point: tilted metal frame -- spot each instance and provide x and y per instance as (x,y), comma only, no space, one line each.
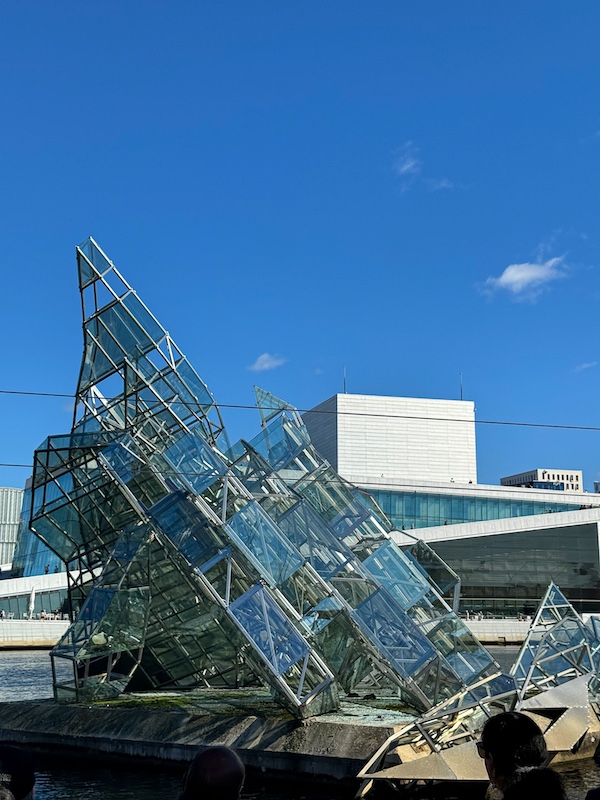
(200,565)
(558,646)
(559,702)
(137,395)
(333,564)
(113,463)
(105,653)
(158,391)
(318,605)
(359,523)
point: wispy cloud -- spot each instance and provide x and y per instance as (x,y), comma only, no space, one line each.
(526,281)
(407,161)
(408,166)
(267,361)
(586,365)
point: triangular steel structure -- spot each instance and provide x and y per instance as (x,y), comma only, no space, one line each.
(269,405)
(558,647)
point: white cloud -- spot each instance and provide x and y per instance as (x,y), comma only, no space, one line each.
(407,162)
(267,361)
(527,280)
(587,365)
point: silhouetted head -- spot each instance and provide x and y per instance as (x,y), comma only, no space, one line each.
(216,772)
(542,783)
(511,743)
(16,771)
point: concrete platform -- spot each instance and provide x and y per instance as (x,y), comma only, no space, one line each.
(29,634)
(172,729)
(499,631)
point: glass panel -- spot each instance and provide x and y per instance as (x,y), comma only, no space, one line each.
(188,531)
(194,463)
(398,638)
(280,443)
(94,255)
(271,633)
(257,534)
(315,540)
(139,311)
(399,577)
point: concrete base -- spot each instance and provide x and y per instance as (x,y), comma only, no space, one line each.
(331,746)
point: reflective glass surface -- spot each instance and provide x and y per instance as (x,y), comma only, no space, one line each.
(32,556)
(508,573)
(426,509)
(267,627)
(205,566)
(264,541)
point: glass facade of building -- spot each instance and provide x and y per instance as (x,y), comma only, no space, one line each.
(507,574)
(52,602)
(428,509)
(32,556)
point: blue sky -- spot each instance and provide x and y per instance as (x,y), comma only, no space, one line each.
(409,189)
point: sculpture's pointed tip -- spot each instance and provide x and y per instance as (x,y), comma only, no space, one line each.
(92,262)
(269,405)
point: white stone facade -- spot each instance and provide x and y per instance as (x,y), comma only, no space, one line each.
(396,439)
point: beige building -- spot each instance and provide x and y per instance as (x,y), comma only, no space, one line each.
(567,480)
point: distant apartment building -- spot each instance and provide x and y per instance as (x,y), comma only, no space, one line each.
(11,501)
(566,480)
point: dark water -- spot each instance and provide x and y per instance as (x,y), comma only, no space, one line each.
(96,782)
(28,675)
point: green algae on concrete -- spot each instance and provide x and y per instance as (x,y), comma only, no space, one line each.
(173,728)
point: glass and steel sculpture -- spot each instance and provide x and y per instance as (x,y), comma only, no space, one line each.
(559,646)
(194,564)
(402,590)
(554,680)
(163,544)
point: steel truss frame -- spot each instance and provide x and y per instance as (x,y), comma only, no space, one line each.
(205,565)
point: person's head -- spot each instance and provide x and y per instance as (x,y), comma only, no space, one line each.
(216,772)
(511,742)
(16,772)
(536,783)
